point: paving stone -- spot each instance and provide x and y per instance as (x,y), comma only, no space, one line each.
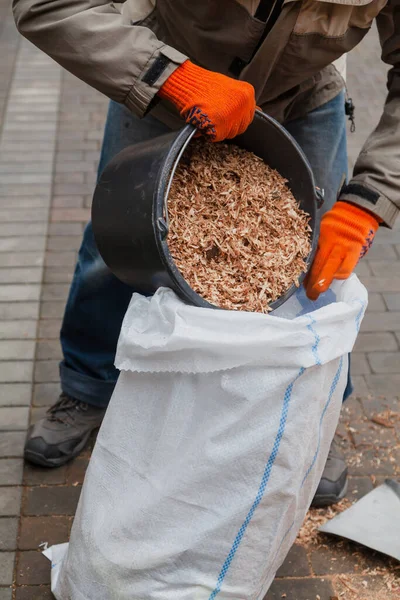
(12,444)
(22,230)
(58,275)
(381,252)
(61,500)
(382,385)
(295,564)
(13,244)
(381,321)
(5,593)
(10,501)
(384,362)
(19,292)
(21,275)
(49,329)
(358,487)
(71,214)
(38,530)
(14,418)
(77,470)
(6,567)
(64,243)
(17,349)
(21,259)
(10,472)
(371,342)
(37,413)
(52,310)
(18,310)
(15,394)
(38,592)
(14,330)
(61,229)
(55,291)
(16,371)
(46,394)
(374,406)
(368,433)
(359,364)
(327,560)
(300,589)
(392,301)
(389,268)
(61,259)
(33,568)
(47,371)
(48,349)
(360,386)
(382,284)
(376,303)
(68,202)
(8,534)
(367,461)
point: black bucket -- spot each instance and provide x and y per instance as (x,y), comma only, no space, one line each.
(129,211)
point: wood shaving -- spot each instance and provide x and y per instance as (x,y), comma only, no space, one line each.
(236,233)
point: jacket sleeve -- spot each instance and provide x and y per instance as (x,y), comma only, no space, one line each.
(97,42)
(375,185)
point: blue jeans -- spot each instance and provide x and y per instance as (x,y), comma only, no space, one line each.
(94,313)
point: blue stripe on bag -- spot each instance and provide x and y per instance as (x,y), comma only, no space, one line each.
(314,349)
(335,381)
(261,489)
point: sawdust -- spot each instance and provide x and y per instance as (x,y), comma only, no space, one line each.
(236,233)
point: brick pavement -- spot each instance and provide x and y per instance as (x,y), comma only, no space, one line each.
(51,128)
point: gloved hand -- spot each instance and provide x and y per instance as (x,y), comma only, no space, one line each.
(220,107)
(347,233)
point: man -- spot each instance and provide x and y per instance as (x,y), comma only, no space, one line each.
(209,62)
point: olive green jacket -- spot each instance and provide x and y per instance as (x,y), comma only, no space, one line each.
(127,51)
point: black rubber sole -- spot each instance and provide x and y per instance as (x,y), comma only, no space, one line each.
(41,460)
(329,499)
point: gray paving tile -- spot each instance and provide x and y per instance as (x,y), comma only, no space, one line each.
(376,303)
(46,394)
(16,371)
(15,394)
(22,231)
(8,533)
(376,341)
(18,310)
(12,444)
(21,275)
(5,593)
(46,371)
(14,418)
(385,362)
(392,301)
(387,321)
(6,567)
(49,329)
(359,364)
(21,259)
(11,471)
(10,501)
(15,244)
(17,349)
(14,330)
(48,349)
(382,385)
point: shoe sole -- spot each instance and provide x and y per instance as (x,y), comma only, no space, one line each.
(42,461)
(328,500)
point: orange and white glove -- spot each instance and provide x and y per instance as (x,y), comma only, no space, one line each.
(219,106)
(347,233)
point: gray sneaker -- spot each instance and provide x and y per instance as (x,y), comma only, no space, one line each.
(62,433)
(333,484)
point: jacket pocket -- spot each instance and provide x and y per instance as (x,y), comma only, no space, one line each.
(334,20)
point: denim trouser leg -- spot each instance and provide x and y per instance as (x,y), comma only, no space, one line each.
(94,313)
(322,136)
